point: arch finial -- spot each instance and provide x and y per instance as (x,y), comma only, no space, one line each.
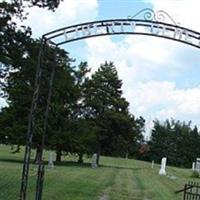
(158,16)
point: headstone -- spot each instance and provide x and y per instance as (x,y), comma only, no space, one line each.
(198,165)
(94,160)
(50,164)
(163,165)
(193,166)
(126,155)
(152,164)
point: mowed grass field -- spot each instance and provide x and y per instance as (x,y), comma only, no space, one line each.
(115,179)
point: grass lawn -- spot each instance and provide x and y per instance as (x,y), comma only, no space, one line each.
(116,179)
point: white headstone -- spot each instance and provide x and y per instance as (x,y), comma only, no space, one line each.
(193,166)
(197,167)
(94,160)
(163,165)
(152,164)
(50,164)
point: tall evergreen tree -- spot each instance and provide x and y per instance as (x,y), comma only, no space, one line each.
(104,104)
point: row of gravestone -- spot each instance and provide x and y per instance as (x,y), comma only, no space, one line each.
(162,171)
(95,165)
(195,166)
(52,159)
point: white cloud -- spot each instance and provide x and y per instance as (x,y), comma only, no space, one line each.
(42,20)
(183,11)
(138,60)
(138,56)
(165,100)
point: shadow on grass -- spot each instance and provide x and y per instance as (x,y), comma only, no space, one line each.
(73,164)
(11,160)
(63,163)
(124,167)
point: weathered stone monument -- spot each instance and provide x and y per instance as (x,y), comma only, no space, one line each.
(94,161)
(198,165)
(152,164)
(51,159)
(193,166)
(163,166)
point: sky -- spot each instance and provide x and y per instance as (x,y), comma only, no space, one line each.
(160,77)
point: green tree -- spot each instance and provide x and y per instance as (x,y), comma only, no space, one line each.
(104,104)
(14,59)
(66,111)
(18,57)
(176,140)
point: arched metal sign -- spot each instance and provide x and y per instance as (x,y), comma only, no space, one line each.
(157,24)
(154,24)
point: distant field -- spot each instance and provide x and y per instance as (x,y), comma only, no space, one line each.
(116,179)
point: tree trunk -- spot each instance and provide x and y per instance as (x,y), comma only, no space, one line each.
(98,155)
(80,158)
(37,156)
(58,155)
(17,150)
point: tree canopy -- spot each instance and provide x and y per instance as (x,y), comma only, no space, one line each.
(176,140)
(104,104)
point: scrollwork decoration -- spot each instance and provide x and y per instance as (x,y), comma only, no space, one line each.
(151,15)
(148,14)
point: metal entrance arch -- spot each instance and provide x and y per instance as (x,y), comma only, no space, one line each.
(157,24)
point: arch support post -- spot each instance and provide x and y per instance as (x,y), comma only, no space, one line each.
(31,120)
(41,166)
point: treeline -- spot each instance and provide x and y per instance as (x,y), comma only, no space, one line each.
(87,113)
(176,140)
